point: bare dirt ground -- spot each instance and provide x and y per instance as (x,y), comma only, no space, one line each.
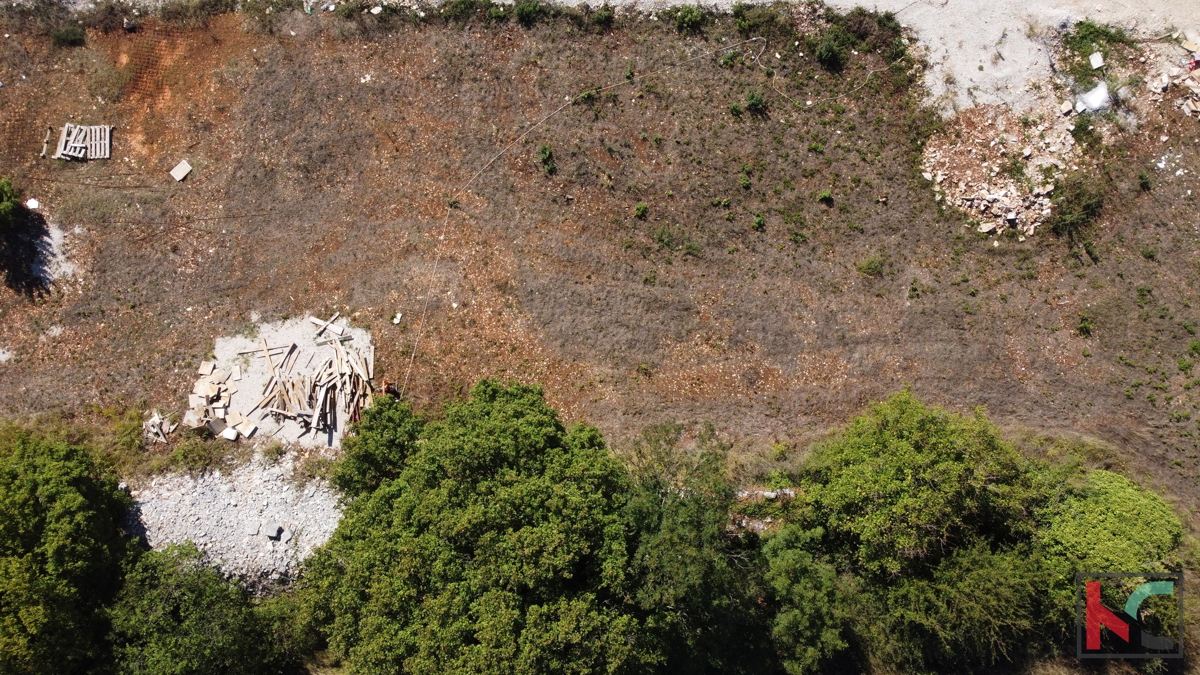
(774,314)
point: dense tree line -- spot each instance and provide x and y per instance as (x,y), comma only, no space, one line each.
(497,539)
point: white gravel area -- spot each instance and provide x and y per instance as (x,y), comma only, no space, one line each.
(228,516)
(1002,36)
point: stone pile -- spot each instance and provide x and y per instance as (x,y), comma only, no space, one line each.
(253,523)
(997,168)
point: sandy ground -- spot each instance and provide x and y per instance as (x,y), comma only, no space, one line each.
(1002,36)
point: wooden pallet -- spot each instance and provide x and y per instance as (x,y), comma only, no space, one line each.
(84,142)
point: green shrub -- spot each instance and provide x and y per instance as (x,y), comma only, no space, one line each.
(546,159)
(1110,524)
(1085,326)
(763,21)
(60,554)
(376,446)
(69,36)
(1077,202)
(903,479)
(529,12)
(871,267)
(1144,181)
(198,455)
(196,13)
(756,103)
(825,197)
(759,223)
(834,47)
(813,606)
(691,19)
(640,211)
(177,615)
(735,109)
(604,18)
(10,205)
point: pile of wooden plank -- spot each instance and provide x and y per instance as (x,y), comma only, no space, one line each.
(158,426)
(84,142)
(322,398)
(208,404)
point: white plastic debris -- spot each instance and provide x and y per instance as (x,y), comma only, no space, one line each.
(1096,99)
(181,170)
(32,204)
(376,9)
(1097,60)
(396,319)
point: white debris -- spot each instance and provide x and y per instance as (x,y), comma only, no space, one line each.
(1097,60)
(1096,99)
(377,10)
(32,204)
(181,170)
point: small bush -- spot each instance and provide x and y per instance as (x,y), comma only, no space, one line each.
(69,36)
(1150,253)
(604,17)
(546,159)
(1077,202)
(834,47)
(1144,181)
(531,12)
(10,205)
(825,197)
(1085,326)
(691,19)
(756,103)
(640,211)
(759,223)
(195,13)
(872,267)
(199,455)
(735,109)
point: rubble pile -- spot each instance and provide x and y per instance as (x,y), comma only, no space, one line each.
(995,168)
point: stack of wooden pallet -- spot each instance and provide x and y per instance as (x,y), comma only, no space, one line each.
(322,398)
(83,142)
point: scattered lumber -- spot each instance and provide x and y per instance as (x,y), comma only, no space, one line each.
(326,392)
(158,426)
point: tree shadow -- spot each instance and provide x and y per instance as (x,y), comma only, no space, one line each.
(25,254)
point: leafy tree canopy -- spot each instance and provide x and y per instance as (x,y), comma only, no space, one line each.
(176,615)
(498,547)
(60,553)
(904,485)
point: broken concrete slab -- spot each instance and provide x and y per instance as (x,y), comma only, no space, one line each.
(1095,99)
(272,529)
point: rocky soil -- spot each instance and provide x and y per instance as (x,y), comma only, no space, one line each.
(253,523)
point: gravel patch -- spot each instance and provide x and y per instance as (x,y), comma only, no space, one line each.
(252,522)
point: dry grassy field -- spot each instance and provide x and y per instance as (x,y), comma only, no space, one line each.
(700,243)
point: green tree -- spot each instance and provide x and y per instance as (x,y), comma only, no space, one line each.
(697,584)
(906,484)
(500,547)
(377,446)
(60,553)
(918,506)
(177,615)
(814,608)
(1109,524)
(9,205)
